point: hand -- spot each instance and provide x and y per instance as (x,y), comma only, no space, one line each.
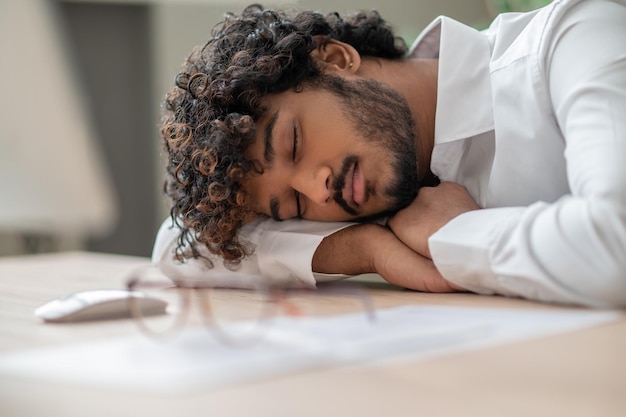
(372,248)
(433,208)
(400,265)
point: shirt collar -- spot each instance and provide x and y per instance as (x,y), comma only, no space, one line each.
(464,87)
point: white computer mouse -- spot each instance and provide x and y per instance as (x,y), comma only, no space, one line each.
(98,305)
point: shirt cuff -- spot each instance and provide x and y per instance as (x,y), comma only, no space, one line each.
(286,250)
(460,250)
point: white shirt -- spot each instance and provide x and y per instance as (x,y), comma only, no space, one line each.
(531,119)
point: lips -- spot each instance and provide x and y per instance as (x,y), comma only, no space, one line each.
(353,191)
(358,186)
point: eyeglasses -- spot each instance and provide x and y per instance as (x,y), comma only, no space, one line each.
(236,317)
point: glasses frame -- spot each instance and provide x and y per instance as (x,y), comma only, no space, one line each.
(274,297)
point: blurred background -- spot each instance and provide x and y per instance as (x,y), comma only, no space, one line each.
(80,155)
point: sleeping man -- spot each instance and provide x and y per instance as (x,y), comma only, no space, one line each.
(305,148)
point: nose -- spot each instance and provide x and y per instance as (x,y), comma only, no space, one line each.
(314,183)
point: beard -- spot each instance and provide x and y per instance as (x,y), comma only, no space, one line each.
(383,117)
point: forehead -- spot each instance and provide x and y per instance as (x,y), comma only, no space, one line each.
(307,104)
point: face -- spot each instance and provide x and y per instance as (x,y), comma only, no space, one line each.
(344,151)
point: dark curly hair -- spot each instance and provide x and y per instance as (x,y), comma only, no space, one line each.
(210,112)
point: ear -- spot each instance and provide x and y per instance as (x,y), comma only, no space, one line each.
(336,56)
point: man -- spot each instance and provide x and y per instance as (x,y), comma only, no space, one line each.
(277,120)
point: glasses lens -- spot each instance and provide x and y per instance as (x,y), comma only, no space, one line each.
(151,284)
(238,316)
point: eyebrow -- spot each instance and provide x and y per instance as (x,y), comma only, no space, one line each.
(275,209)
(268,152)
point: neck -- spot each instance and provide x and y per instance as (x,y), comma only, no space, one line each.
(416,81)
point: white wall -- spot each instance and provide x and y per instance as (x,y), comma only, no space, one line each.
(52,178)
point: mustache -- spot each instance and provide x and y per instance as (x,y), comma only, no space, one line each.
(340,182)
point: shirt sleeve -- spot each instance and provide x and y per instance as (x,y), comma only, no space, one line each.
(572,250)
(281,254)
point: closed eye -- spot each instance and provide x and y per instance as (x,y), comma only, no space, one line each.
(295,143)
(293,158)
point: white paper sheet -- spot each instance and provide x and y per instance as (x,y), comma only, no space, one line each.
(197,361)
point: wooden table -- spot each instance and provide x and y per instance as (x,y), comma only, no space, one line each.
(580,373)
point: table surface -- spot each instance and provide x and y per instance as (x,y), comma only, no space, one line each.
(581,373)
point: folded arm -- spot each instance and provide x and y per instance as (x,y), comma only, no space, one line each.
(373,248)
